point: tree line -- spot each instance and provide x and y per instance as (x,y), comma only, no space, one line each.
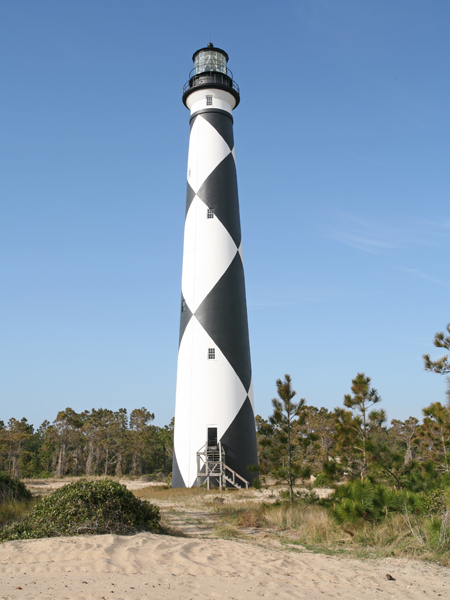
(295,442)
(354,441)
(92,442)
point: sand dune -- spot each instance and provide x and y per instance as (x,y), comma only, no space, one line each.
(164,567)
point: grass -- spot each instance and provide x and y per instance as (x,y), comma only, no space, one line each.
(312,521)
(227,532)
(244,514)
(15,501)
(168,494)
(315,548)
(12,489)
(314,528)
(407,536)
(13,510)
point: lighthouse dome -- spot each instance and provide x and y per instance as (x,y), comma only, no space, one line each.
(210,59)
(211,72)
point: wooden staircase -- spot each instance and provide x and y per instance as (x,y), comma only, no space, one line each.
(213,470)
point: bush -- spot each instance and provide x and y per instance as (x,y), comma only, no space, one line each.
(434,503)
(12,489)
(86,507)
(323,480)
(303,496)
(43,475)
(359,500)
(256,483)
(439,531)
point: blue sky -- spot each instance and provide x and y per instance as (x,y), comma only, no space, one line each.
(342,146)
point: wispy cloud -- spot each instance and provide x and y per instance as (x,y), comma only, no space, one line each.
(364,234)
(425,276)
(367,242)
(440,228)
(377,237)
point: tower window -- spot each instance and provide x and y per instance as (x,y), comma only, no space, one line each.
(183,305)
(210,213)
(209,100)
(211,353)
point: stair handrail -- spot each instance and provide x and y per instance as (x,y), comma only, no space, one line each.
(221,474)
(236,475)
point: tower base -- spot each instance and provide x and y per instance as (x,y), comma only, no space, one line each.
(213,471)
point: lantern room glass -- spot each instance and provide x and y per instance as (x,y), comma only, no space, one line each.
(210,60)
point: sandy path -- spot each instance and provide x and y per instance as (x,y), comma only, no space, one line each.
(44,487)
(162,567)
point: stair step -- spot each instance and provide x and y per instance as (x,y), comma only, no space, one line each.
(231,481)
(214,463)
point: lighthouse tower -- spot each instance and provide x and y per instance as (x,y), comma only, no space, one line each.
(214,395)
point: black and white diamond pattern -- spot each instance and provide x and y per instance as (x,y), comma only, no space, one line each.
(213,392)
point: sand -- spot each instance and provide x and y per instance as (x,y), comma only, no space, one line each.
(163,567)
(201,566)
(44,487)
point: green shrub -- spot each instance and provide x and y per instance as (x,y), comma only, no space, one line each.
(256,483)
(359,500)
(434,503)
(86,507)
(302,496)
(12,489)
(323,480)
(332,471)
(439,531)
(43,475)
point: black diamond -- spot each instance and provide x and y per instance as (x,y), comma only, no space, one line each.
(177,478)
(223,124)
(239,442)
(219,191)
(192,121)
(185,317)
(190,195)
(223,315)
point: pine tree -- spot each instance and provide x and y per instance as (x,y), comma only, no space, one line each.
(434,435)
(284,436)
(355,428)
(442,365)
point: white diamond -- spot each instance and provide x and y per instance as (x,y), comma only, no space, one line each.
(208,252)
(201,163)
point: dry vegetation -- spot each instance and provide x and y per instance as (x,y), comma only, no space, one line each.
(15,510)
(263,517)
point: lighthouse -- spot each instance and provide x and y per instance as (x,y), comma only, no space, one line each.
(215,438)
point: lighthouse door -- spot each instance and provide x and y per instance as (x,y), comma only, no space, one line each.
(212,438)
